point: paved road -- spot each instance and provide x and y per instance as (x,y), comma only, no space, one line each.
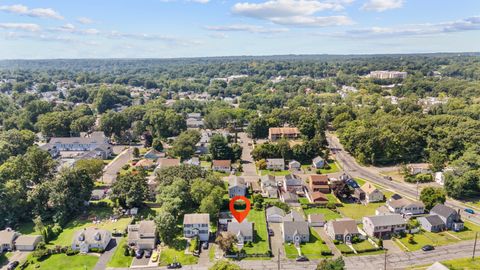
(111,170)
(351,167)
(107,255)
(16,256)
(249,169)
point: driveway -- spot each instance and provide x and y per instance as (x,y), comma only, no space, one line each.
(107,255)
(111,170)
(328,241)
(276,240)
(391,246)
(16,256)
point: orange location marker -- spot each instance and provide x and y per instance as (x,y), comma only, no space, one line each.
(239,216)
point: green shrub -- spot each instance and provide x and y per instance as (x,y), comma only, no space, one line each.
(97,250)
(249,244)
(71,252)
(336,242)
(326,253)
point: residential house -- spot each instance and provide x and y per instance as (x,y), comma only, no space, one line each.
(440,178)
(419,168)
(382,210)
(196,225)
(318,162)
(276,164)
(274,214)
(95,141)
(194,123)
(164,163)
(343,229)
(27,242)
(293,183)
(222,165)
(384,226)
(317,197)
(88,238)
(194,161)
(319,183)
(399,205)
(142,235)
(294,216)
(372,194)
(295,232)
(437,266)
(432,223)
(98,194)
(289,133)
(269,186)
(449,216)
(316,220)
(294,165)
(289,197)
(7,238)
(236,186)
(145,164)
(359,194)
(243,231)
(154,154)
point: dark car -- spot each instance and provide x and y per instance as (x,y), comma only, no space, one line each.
(301,259)
(138,253)
(13,265)
(174,265)
(205,245)
(148,253)
(427,248)
(270,232)
(470,211)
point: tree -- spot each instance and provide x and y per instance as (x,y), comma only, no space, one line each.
(166,226)
(184,145)
(224,265)
(157,145)
(213,202)
(331,264)
(55,124)
(130,190)
(136,152)
(219,148)
(431,196)
(225,241)
(258,128)
(113,123)
(94,167)
(342,190)
(83,124)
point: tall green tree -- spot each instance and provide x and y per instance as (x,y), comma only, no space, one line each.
(130,190)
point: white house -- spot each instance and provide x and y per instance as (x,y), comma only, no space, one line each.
(27,242)
(384,226)
(242,231)
(399,205)
(343,229)
(295,232)
(222,165)
(316,220)
(88,238)
(276,164)
(372,194)
(294,165)
(236,186)
(269,186)
(440,178)
(196,225)
(7,237)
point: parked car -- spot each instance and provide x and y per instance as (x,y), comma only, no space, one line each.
(148,253)
(138,253)
(427,248)
(205,245)
(389,178)
(174,265)
(270,232)
(13,265)
(470,211)
(301,259)
(155,257)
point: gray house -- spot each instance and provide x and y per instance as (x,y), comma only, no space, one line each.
(432,223)
(88,238)
(295,232)
(343,229)
(236,186)
(242,231)
(7,237)
(274,214)
(318,162)
(384,226)
(142,235)
(449,216)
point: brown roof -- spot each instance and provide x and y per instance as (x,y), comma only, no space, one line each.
(283,130)
(341,226)
(168,162)
(221,163)
(319,179)
(144,163)
(368,188)
(196,219)
(316,218)
(318,196)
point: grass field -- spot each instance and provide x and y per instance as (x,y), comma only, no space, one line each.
(329,214)
(275,173)
(177,253)
(362,246)
(358,211)
(290,251)
(468,232)
(343,248)
(314,247)
(428,238)
(333,168)
(465,263)
(260,243)
(63,262)
(118,258)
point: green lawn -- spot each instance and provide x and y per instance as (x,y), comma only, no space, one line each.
(275,173)
(118,258)
(363,246)
(303,200)
(260,243)
(358,211)
(465,263)
(290,251)
(468,232)
(4,257)
(314,247)
(329,214)
(332,198)
(343,248)
(63,262)
(333,168)
(211,253)
(427,238)
(177,253)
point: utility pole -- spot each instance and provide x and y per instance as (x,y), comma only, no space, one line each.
(474,246)
(385,262)
(278,258)
(417,190)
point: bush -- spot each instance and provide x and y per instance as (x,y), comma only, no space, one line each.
(40,254)
(126,167)
(71,252)
(249,244)
(326,253)
(318,171)
(380,243)
(411,239)
(331,205)
(336,242)
(97,250)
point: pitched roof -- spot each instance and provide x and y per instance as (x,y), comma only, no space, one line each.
(442,210)
(168,162)
(7,235)
(301,227)
(340,226)
(91,235)
(246,228)
(144,163)
(289,196)
(386,220)
(318,179)
(283,131)
(293,180)
(196,219)
(293,161)
(294,216)
(318,159)
(437,266)
(316,218)
(221,163)
(268,180)
(236,181)
(275,211)
(276,161)
(434,220)
(369,188)
(318,196)
(27,240)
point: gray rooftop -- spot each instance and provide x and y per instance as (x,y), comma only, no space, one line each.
(290,227)
(386,220)
(434,220)
(246,228)
(442,210)
(275,211)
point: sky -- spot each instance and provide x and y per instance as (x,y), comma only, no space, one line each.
(45,29)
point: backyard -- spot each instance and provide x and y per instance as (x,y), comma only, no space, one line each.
(176,253)
(358,211)
(311,250)
(329,214)
(63,262)
(119,259)
(260,243)
(275,173)
(427,238)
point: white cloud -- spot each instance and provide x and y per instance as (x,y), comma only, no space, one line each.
(34,12)
(294,12)
(85,20)
(201,1)
(382,5)
(246,28)
(467,24)
(70,28)
(21,26)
